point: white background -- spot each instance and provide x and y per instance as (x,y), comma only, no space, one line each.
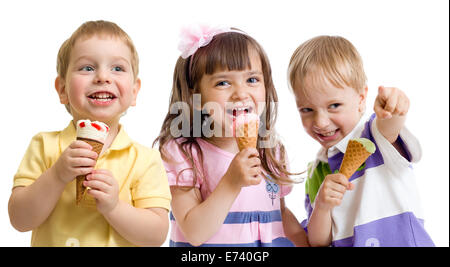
(403,44)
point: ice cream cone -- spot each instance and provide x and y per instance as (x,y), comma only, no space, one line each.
(357,152)
(247,126)
(81,189)
(93,133)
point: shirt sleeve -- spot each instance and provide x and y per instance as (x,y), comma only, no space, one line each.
(391,157)
(179,169)
(285,190)
(33,163)
(151,189)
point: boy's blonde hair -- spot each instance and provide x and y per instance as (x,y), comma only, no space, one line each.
(87,30)
(333,57)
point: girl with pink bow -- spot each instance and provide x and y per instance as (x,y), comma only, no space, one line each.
(220,195)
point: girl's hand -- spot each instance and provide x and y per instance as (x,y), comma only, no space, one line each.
(332,191)
(245,169)
(390,101)
(77,159)
(104,188)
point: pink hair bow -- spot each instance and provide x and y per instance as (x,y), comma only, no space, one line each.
(194,37)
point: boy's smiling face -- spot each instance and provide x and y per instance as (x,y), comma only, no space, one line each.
(99,84)
(329,113)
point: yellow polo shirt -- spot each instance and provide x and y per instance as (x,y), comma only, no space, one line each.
(139,172)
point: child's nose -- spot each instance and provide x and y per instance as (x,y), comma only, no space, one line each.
(321,120)
(239,93)
(102,76)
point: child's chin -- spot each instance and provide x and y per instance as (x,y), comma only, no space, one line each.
(327,144)
(105,117)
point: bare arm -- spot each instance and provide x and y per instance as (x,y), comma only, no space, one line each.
(319,228)
(30,206)
(142,227)
(200,219)
(330,195)
(390,129)
(292,228)
(391,107)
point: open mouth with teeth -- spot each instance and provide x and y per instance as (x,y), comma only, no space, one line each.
(329,133)
(328,136)
(235,112)
(102,97)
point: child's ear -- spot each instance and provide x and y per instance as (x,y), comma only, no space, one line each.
(136,88)
(60,87)
(362,100)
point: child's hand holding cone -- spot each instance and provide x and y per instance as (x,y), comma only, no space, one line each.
(245,169)
(332,191)
(94,134)
(335,185)
(77,159)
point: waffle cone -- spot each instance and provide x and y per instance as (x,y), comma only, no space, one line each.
(81,189)
(247,135)
(354,157)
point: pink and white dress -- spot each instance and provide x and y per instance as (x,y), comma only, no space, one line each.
(254,219)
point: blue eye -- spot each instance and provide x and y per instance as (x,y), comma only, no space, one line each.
(305,110)
(334,106)
(222,83)
(253,80)
(117,68)
(87,68)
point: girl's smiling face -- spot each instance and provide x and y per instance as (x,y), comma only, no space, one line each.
(226,94)
(329,113)
(99,84)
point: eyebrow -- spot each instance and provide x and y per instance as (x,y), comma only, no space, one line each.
(223,75)
(334,100)
(90,58)
(303,105)
(219,76)
(255,72)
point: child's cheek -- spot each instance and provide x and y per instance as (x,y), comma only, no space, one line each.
(307,124)
(308,127)
(346,122)
(77,88)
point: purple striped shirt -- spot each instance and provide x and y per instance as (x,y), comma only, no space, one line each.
(384,208)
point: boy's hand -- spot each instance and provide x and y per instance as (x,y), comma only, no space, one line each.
(245,169)
(332,191)
(390,101)
(391,106)
(77,159)
(104,188)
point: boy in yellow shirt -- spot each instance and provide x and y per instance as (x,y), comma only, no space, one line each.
(130,197)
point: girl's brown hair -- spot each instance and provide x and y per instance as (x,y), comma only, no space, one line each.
(226,51)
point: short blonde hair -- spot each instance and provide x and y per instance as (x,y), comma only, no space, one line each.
(331,56)
(87,30)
